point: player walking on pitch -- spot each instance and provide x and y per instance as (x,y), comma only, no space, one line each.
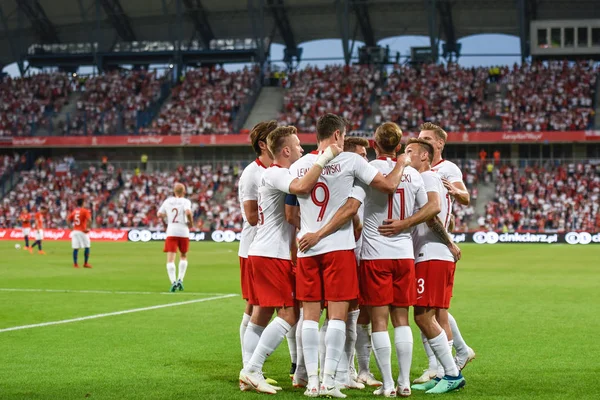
(79,237)
(39,229)
(269,253)
(25,220)
(178,211)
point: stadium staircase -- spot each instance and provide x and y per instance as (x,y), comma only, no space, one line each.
(69,109)
(597,103)
(268,105)
(374,102)
(494,92)
(485,194)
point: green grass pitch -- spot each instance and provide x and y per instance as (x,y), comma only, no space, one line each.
(530,311)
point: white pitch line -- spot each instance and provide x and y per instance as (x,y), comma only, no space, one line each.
(96,316)
(105,292)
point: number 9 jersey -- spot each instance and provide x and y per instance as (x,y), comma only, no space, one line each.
(175,208)
(328,195)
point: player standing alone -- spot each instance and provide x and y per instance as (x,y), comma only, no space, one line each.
(79,237)
(39,229)
(25,219)
(178,211)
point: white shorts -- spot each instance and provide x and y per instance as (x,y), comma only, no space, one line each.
(80,240)
(26,231)
(39,234)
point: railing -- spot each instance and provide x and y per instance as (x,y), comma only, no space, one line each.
(168,165)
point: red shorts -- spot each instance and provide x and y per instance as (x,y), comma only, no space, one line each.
(273,281)
(387,282)
(245,279)
(172,243)
(435,279)
(330,276)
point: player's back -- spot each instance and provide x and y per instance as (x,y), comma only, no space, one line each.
(328,195)
(248,190)
(274,234)
(428,246)
(39,220)
(80,217)
(381,206)
(175,208)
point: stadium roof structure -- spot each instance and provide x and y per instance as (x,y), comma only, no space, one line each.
(289,22)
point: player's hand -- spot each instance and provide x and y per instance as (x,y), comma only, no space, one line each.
(403,159)
(308,241)
(455,250)
(392,227)
(451,189)
(335,149)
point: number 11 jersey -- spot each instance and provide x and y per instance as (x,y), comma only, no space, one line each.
(329,194)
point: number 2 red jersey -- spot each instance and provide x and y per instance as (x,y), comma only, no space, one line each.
(329,194)
(380,206)
(80,217)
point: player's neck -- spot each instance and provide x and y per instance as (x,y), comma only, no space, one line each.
(282,162)
(265,160)
(437,158)
(386,155)
(424,168)
(322,146)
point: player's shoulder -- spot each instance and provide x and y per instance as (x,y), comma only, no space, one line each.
(448,165)
(305,161)
(430,176)
(413,173)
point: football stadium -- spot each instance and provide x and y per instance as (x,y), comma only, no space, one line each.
(206,199)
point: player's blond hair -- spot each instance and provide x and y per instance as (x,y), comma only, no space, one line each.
(179,189)
(351,143)
(259,134)
(388,136)
(277,138)
(424,145)
(439,132)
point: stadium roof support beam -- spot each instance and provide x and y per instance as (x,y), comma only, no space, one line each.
(118,19)
(256,12)
(451,47)
(433,36)
(195,11)
(40,23)
(277,9)
(361,9)
(526,12)
(11,43)
(342,11)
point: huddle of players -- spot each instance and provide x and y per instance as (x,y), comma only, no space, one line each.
(398,193)
(80,239)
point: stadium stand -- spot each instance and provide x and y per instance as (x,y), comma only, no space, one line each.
(547,197)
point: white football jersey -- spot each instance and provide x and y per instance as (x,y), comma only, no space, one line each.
(381,206)
(175,208)
(427,244)
(448,170)
(361,215)
(329,194)
(274,234)
(248,190)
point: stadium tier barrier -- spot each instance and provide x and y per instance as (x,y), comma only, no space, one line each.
(229,236)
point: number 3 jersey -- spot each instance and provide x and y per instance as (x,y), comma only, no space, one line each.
(381,206)
(274,234)
(329,194)
(175,208)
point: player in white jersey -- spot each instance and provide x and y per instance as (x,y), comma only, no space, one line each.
(452,179)
(269,253)
(178,211)
(248,197)
(328,270)
(435,263)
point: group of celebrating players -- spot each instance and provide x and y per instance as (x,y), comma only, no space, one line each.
(363,241)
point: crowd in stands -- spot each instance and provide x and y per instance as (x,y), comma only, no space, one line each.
(112,103)
(207,101)
(27,103)
(342,90)
(547,197)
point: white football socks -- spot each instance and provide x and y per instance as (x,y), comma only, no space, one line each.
(171,272)
(322,347)
(182,268)
(443,352)
(363,347)
(462,350)
(335,340)
(300,367)
(342,373)
(310,347)
(382,348)
(243,326)
(433,364)
(291,341)
(251,338)
(269,341)
(403,340)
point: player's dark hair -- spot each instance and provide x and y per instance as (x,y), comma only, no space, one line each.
(328,124)
(351,143)
(79,202)
(260,132)
(425,146)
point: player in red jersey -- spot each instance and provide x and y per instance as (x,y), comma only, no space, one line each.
(79,236)
(40,216)
(25,220)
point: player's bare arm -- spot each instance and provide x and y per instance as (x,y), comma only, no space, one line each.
(292,215)
(435,224)
(432,208)
(389,183)
(457,190)
(189,218)
(340,218)
(358,226)
(251,210)
(305,184)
